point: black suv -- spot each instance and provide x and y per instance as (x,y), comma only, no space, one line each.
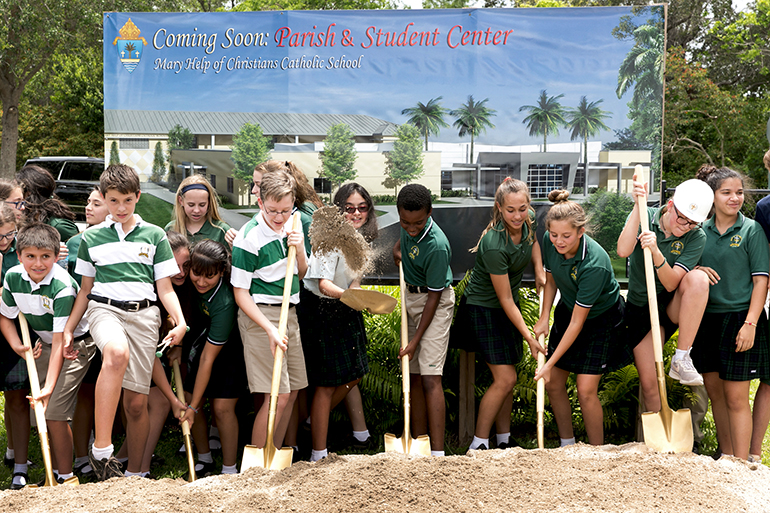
(75,178)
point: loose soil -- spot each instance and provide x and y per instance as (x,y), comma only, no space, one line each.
(330,232)
(578,478)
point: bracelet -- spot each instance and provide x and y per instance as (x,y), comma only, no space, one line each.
(191,407)
(661,264)
(750,323)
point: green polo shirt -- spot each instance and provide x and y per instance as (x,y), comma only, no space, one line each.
(218,304)
(211,230)
(66,228)
(683,251)
(587,279)
(497,254)
(10,258)
(736,255)
(72,257)
(426,257)
(306,211)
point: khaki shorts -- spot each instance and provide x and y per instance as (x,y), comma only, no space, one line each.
(431,351)
(259,358)
(61,405)
(136,330)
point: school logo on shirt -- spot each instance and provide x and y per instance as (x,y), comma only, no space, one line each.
(735,241)
(413,252)
(205,309)
(144,251)
(573,273)
(677,247)
(47,303)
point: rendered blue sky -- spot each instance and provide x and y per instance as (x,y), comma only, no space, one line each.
(568,51)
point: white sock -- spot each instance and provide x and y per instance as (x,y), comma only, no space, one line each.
(205,457)
(318,455)
(437,453)
(679,354)
(213,431)
(129,474)
(564,442)
(503,438)
(19,480)
(361,436)
(10,454)
(65,476)
(79,461)
(102,454)
(20,467)
(229,469)
(478,442)
(145,474)
(307,421)
(295,448)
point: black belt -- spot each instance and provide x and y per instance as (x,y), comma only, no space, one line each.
(128,306)
(414,289)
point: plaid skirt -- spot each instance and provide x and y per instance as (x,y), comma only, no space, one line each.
(495,335)
(638,318)
(228,373)
(601,346)
(13,369)
(333,340)
(714,348)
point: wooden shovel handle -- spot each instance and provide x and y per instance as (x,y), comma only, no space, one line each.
(180,393)
(404,342)
(540,387)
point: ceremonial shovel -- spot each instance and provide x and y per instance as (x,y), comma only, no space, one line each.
(185,425)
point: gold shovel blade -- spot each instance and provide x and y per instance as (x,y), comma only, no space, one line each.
(70,481)
(254,456)
(676,437)
(419,446)
(364,299)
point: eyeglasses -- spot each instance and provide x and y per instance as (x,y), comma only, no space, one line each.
(18,205)
(9,235)
(282,213)
(361,208)
(683,221)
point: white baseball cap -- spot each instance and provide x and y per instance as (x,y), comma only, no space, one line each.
(693,199)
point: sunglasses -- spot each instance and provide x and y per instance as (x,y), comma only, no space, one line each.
(361,208)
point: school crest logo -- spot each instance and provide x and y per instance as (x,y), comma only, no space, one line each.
(144,251)
(129,45)
(573,273)
(205,309)
(735,241)
(414,251)
(677,247)
(47,303)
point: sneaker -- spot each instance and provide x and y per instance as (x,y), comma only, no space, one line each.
(503,446)
(84,470)
(367,445)
(24,479)
(684,371)
(106,468)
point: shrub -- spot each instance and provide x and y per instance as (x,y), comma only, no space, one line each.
(608,213)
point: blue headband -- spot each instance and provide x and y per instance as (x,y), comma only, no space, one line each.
(194,186)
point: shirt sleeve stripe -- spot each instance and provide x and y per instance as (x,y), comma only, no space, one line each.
(584,306)
(682,266)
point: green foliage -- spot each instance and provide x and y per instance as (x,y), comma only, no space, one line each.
(546,117)
(339,155)
(456,193)
(158,163)
(473,118)
(250,147)
(114,153)
(404,162)
(429,117)
(180,138)
(587,120)
(608,212)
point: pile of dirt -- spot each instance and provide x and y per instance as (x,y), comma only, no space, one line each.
(578,478)
(331,232)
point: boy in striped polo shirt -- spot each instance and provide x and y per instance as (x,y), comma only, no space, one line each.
(44,293)
(122,261)
(258,274)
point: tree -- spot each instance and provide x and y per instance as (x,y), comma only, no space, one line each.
(473,119)
(179,138)
(339,155)
(586,121)
(404,162)
(428,118)
(626,141)
(250,147)
(546,117)
(158,164)
(115,153)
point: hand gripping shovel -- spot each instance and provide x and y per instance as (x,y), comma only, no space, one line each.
(666,430)
(270,457)
(42,427)
(406,444)
(540,387)
(185,425)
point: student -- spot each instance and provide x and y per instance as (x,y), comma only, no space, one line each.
(335,352)
(586,338)
(731,347)
(506,246)
(45,294)
(430,305)
(122,320)
(217,371)
(676,242)
(41,205)
(13,369)
(196,213)
(258,273)
(96,212)
(11,194)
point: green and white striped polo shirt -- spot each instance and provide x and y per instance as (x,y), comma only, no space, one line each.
(46,305)
(125,266)
(259,262)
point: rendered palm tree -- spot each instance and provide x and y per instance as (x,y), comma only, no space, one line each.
(586,121)
(643,66)
(473,118)
(428,118)
(546,117)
